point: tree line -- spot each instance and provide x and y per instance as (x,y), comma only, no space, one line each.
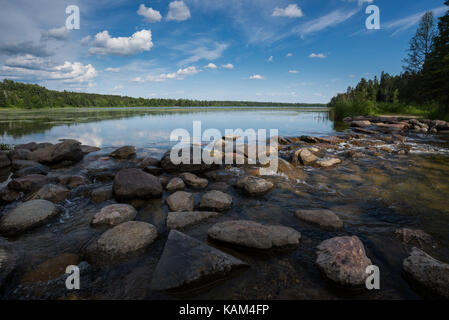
(23,95)
(422,88)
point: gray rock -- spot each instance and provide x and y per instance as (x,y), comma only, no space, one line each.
(89,149)
(179,220)
(428,272)
(134,183)
(114,214)
(187,262)
(216,201)
(7,195)
(21,164)
(415,237)
(325,219)
(125,152)
(73,181)
(343,260)
(125,241)
(175,184)
(325,163)
(194,181)
(101,194)
(168,165)
(253,185)
(360,124)
(181,201)
(153,170)
(20,154)
(4,160)
(51,192)
(149,161)
(37,169)
(68,150)
(26,216)
(7,265)
(304,157)
(254,235)
(28,183)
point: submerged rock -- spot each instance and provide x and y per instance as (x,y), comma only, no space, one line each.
(216,201)
(123,242)
(125,152)
(175,184)
(26,216)
(179,220)
(194,181)
(343,260)
(325,219)
(73,181)
(415,237)
(37,169)
(253,185)
(181,201)
(254,235)
(114,214)
(89,149)
(51,268)
(51,192)
(7,264)
(134,183)
(187,262)
(429,273)
(28,183)
(101,194)
(149,161)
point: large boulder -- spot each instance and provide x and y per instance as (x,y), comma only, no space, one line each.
(125,152)
(181,201)
(304,156)
(68,150)
(187,262)
(325,219)
(122,242)
(134,183)
(428,272)
(26,216)
(4,159)
(51,192)
(179,220)
(114,214)
(194,181)
(254,235)
(254,186)
(216,201)
(189,166)
(28,183)
(343,260)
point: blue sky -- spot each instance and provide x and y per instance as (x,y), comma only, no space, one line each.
(261,50)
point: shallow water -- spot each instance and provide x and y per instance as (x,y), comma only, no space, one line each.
(373,196)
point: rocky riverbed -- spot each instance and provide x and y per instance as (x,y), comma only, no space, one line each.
(141,227)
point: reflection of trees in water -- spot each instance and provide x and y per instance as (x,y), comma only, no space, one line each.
(19,124)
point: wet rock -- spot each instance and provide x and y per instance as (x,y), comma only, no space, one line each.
(194,181)
(428,272)
(175,184)
(51,192)
(125,152)
(303,156)
(4,160)
(134,183)
(32,146)
(392,126)
(73,181)
(8,264)
(153,170)
(28,183)
(179,220)
(7,195)
(216,201)
(325,219)
(254,235)
(26,216)
(149,161)
(122,242)
(415,237)
(253,185)
(309,139)
(37,169)
(360,124)
(89,149)
(386,149)
(288,170)
(20,154)
(343,260)
(189,166)
(187,262)
(220,186)
(68,150)
(51,268)
(101,194)
(114,214)
(21,164)
(354,154)
(328,162)
(181,201)
(363,130)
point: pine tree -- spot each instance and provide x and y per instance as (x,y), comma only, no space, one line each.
(3,102)
(421,44)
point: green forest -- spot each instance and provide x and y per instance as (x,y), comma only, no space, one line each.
(421,89)
(32,96)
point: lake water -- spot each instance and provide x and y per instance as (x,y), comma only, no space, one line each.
(146,127)
(373,195)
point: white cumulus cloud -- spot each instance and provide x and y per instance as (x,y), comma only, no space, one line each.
(211,66)
(149,14)
(291,11)
(228,66)
(112,70)
(104,44)
(178,11)
(293,71)
(256,77)
(317,55)
(178,75)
